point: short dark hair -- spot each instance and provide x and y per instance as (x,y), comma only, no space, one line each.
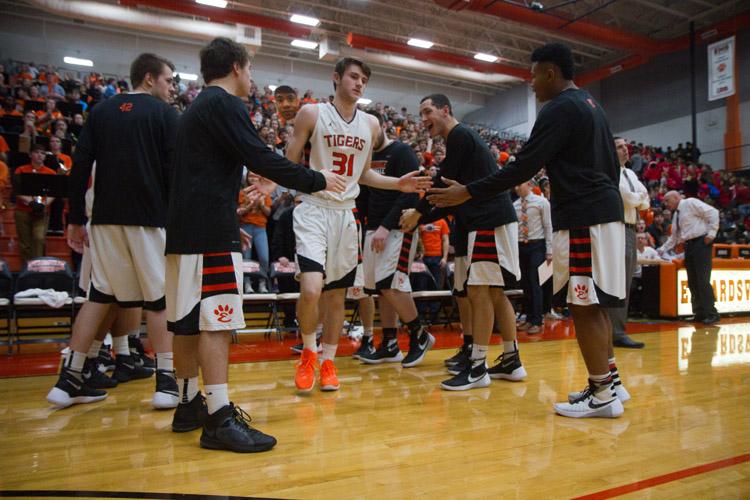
(219,56)
(147,64)
(284,89)
(439,101)
(344,63)
(617,137)
(376,115)
(558,54)
(37,147)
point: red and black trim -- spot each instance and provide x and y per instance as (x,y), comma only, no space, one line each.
(485,247)
(403,257)
(359,235)
(218,276)
(579,262)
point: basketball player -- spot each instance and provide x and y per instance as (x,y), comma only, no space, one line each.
(130,137)
(572,139)
(388,254)
(215,138)
(492,250)
(324,225)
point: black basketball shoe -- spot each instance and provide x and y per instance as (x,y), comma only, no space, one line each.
(105,359)
(463,353)
(96,378)
(126,370)
(229,429)
(419,344)
(139,353)
(167,395)
(469,378)
(388,352)
(365,348)
(190,416)
(70,390)
(508,367)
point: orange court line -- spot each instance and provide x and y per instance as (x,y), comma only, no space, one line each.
(666,478)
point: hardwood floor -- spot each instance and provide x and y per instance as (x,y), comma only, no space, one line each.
(393,433)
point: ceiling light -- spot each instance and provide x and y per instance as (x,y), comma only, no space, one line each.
(273,87)
(485,57)
(364,101)
(416,42)
(78,61)
(191,77)
(304,44)
(213,3)
(306,20)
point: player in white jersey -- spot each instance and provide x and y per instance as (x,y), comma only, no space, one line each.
(342,140)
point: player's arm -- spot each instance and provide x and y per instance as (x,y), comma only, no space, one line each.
(232,129)
(547,138)
(304,124)
(404,162)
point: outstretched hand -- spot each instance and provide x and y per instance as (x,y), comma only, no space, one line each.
(454,194)
(409,219)
(334,182)
(259,186)
(414,182)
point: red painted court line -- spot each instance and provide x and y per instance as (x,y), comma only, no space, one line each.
(666,478)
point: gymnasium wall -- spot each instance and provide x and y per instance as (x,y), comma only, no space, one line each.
(23,38)
(651,103)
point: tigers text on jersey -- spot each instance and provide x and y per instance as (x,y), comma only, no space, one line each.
(342,147)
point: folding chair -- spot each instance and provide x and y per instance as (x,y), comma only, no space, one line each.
(259,308)
(35,321)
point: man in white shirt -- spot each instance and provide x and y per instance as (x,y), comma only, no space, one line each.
(534,247)
(695,224)
(634,198)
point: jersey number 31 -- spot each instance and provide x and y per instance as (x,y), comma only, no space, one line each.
(344,164)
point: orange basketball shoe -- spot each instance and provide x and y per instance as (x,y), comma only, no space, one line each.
(304,379)
(328,379)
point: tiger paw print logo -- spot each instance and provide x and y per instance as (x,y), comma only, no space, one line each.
(581,291)
(224,313)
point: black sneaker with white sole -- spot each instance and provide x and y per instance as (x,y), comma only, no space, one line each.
(138,352)
(463,353)
(470,378)
(419,344)
(190,416)
(388,352)
(126,370)
(167,395)
(229,429)
(70,389)
(508,367)
(105,359)
(366,347)
(95,377)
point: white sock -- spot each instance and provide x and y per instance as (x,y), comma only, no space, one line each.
(108,340)
(75,361)
(367,332)
(309,342)
(478,354)
(120,345)
(188,388)
(217,397)
(164,361)
(510,346)
(94,349)
(329,352)
(319,330)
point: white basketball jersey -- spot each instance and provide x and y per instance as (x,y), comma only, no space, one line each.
(342,147)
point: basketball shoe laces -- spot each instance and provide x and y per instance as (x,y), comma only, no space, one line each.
(327,370)
(241,416)
(588,391)
(306,362)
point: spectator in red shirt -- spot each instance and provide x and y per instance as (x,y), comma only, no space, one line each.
(31,213)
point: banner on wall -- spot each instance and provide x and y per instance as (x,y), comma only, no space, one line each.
(721,69)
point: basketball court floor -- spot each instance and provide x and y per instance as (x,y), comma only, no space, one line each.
(393,433)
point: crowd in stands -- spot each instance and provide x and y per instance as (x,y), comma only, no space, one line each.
(41,105)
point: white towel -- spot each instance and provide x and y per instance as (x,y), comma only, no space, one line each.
(51,297)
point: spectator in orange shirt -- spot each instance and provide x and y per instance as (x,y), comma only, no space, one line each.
(253,220)
(65,161)
(45,119)
(434,238)
(4,184)
(31,213)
